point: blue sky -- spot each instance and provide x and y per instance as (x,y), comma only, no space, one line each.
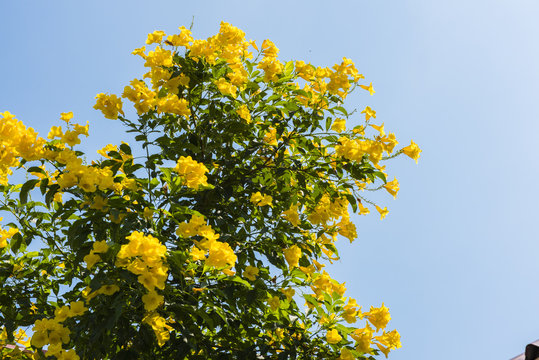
(455,260)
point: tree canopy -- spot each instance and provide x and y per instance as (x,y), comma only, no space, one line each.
(207,238)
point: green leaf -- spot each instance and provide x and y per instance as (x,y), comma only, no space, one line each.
(341,110)
(328,123)
(36,169)
(50,194)
(352,200)
(289,68)
(16,242)
(239,280)
(27,186)
(125,148)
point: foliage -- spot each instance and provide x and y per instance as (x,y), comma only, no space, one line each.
(203,240)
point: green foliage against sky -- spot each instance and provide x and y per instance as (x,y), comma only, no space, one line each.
(206,237)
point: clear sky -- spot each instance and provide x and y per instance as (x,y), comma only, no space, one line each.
(456,258)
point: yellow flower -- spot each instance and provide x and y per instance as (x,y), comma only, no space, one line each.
(243,112)
(412,151)
(87,182)
(359,130)
(197,254)
(67,180)
(40,339)
(272,68)
(192,172)
(292,255)
(57,197)
(108,289)
(289,293)
(130,184)
(221,255)
(347,229)
(369,113)
(269,49)
(352,311)
(339,125)
(91,259)
(271,137)
(100,247)
(226,88)
(383,212)
(117,218)
(346,355)
(99,203)
(71,138)
(56,131)
(155,37)
(183,39)
(390,340)
(318,265)
(66,116)
(368,88)
(203,48)
(379,317)
(389,142)
(104,151)
(305,71)
(140,52)
(21,337)
(61,314)
(77,308)
(228,272)
(379,128)
(251,272)
(392,187)
(261,200)
(162,337)
(148,280)
(188,229)
(308,270)
(159,326)
(152,300)
(333,336)
(292,215)
(59,335)
(173,105)
(82,130)
(69,355)
(5,235)
(363,338)
(110,105)
(274,303)
(148,213)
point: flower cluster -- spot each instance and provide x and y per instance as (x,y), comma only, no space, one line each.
(261,200)
(342,76)
(159,326)
(143,256)
(110,105)
(99,247)
(270,64)
(87,178)
(365,337)
(16,141)
(6,234)
(51,331)
(287,165)
(192,172)
(213,252)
